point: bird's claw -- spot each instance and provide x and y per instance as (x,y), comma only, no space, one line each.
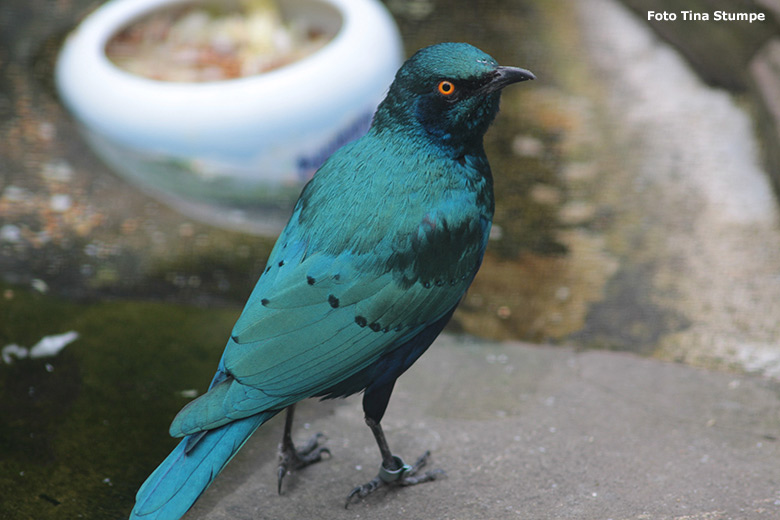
(403,475)
(291,459)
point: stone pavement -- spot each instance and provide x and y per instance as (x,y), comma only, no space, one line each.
(534,433)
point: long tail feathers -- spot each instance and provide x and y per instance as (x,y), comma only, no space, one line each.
(178,482)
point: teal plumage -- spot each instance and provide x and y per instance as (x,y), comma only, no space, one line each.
(381,246)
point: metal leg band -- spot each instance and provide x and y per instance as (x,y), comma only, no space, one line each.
(387,476)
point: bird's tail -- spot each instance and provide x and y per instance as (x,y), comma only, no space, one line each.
(189,469)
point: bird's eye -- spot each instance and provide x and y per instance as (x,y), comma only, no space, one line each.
(446,88)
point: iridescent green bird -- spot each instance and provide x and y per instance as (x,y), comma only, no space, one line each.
(380,249)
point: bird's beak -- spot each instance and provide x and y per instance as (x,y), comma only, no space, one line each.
(503,76)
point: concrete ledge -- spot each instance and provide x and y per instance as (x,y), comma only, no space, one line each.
(533,432)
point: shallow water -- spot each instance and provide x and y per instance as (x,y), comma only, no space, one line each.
(79,430)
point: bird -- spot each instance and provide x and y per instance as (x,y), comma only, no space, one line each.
(380,248)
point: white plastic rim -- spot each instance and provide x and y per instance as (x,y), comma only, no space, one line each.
(260,125)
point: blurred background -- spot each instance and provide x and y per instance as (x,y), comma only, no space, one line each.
(636,185)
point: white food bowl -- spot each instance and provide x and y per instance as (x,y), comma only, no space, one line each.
(233,152)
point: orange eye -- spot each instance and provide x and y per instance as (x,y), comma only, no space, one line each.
(446,88)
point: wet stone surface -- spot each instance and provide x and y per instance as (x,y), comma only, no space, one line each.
(556,434)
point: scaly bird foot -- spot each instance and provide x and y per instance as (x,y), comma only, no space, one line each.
(291,459)
(401,475)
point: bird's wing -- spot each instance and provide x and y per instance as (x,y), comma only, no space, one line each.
(343,286)
(311,322)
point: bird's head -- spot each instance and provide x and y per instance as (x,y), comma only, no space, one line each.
(448,92)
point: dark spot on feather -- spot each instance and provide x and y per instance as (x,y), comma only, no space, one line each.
(264,302)
(333,301)
(438,252)
(427,285)
(336,276)
(386,329)
(439,283)
(267,268)
(281,263)
(445,226)
(453,281)
(376,327)
(399,327)
(361,321)
(310,280)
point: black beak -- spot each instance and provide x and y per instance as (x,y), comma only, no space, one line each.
(503,76)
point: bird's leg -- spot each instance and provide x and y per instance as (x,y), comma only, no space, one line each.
(290,458)
(393,470)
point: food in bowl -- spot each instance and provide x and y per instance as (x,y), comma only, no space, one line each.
(214,42)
